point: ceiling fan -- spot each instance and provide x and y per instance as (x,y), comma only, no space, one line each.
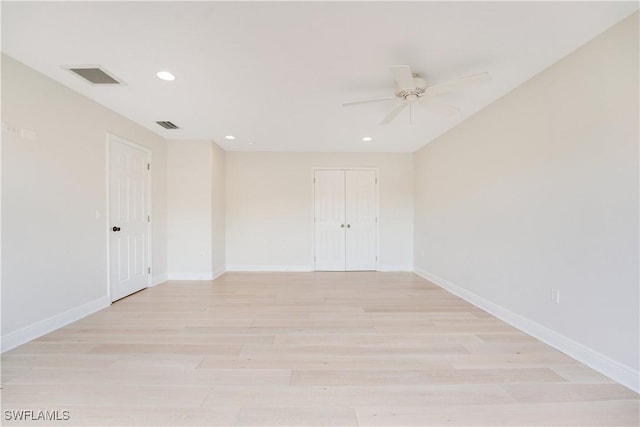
(410,89)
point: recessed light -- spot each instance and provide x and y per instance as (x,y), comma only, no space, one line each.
(230,137)
(367,139)
(165,75)
(250,143)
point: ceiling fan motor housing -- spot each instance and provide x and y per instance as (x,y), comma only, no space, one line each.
(412,94)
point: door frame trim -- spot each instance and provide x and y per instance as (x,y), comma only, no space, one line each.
(109,138)
(313,208)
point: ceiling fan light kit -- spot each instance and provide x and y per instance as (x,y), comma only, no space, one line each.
(411,89)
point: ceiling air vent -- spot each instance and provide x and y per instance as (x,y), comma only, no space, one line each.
(168,125)
(95,75)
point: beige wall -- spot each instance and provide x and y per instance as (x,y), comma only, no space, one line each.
(189,209)
(540,191)
(54,201)
(270,202)
(196,227)
(218,162)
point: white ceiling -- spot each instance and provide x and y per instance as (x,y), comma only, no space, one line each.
(276,73)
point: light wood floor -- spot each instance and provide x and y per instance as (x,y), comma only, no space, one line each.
(263,349)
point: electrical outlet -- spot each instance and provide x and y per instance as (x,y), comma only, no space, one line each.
(555,296)
(28,134)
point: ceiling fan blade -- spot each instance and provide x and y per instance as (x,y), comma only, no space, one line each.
(366,101)
(403,76)
(456,84)
(392,115)
(440,108)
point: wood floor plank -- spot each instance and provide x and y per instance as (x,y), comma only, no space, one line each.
(362,348)
(298,416)
(158,376)
(498,360)
(259,350)
(119,348)
(601,413)
(353,396)
(376,339)
(563,392)
(131,415)
(325,362)
(578,373)
(411,377)
(187,338)
(47,396)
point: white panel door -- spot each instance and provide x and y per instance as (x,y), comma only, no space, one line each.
(361,217)
(329,217)
(345,215)
(129,220)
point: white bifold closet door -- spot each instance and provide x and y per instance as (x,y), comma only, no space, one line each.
(345,215)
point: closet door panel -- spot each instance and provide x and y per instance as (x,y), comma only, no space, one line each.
(329,217)
(361,219)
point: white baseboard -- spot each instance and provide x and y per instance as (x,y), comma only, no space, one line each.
(160,278)
(279,268)
(195,276)
(616,371)
(303,268)
(43,327)
(395,268)
(190,276)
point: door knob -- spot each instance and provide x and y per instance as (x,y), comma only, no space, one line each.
(341,225)
(116,228)
(348,225)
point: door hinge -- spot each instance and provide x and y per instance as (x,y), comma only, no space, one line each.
(148,166)
(149,270)
(314,259)
(376,180)
(314,180)
(149,218)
